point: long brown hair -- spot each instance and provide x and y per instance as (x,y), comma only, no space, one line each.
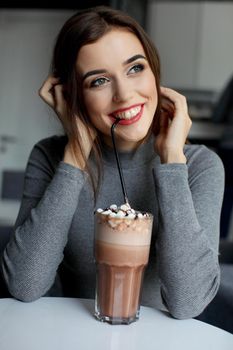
(83,28)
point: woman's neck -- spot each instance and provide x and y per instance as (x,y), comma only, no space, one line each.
(124,146)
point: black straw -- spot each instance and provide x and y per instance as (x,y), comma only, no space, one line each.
(118,161)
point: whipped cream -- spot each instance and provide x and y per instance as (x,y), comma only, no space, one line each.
(122,211)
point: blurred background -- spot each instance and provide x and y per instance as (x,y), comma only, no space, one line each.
(195,42)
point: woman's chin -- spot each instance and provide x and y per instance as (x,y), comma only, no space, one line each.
(134,137)
(130,143)
(127,140)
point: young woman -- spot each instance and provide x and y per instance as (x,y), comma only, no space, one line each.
(105,67)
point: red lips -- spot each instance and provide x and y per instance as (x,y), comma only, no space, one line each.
(128,121)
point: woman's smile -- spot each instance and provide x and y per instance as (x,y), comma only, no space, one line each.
(128,115)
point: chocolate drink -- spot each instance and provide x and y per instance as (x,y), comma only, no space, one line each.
(122,244)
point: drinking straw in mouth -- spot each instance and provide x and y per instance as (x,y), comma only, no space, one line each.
(118,161)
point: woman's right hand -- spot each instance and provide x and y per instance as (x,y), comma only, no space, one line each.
(51,93)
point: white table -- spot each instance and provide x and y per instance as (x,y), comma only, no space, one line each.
(66,323)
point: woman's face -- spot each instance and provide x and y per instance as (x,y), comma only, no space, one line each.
(118,82)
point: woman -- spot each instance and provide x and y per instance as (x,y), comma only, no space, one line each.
(105,67)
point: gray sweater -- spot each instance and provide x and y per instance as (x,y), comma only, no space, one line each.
(52,245)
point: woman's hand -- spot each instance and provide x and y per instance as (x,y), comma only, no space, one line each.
(175,124)
(51,93)
(76,153)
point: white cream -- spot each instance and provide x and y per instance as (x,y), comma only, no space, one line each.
(123,231)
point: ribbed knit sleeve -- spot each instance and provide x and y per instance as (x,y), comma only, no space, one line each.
(50,198)
(190,199)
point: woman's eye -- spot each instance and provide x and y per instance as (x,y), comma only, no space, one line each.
(98,82)
(136,68)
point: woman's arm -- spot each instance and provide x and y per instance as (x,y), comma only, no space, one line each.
(75,153)
(50,197)
(189,184)
(51,194)
(190,200)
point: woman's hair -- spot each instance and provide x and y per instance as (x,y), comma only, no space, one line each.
(83,28)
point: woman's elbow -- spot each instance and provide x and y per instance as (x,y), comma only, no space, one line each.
(186,312)
(189,305)
(24,295)
(23,291)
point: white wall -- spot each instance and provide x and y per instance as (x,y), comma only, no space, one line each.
(26,42)
(216,46)
(195,42)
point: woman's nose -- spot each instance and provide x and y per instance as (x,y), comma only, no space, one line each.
(122,91)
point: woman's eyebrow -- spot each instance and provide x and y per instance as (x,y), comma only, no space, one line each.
(134,58)
(93,72)
(101,71)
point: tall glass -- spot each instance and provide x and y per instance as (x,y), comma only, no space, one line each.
(121,253)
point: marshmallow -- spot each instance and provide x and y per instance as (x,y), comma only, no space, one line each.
(123,211)
(125,207)
(106,212)
(131,216)
(120,214)
(113,207)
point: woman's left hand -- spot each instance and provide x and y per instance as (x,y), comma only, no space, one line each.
(175,124)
